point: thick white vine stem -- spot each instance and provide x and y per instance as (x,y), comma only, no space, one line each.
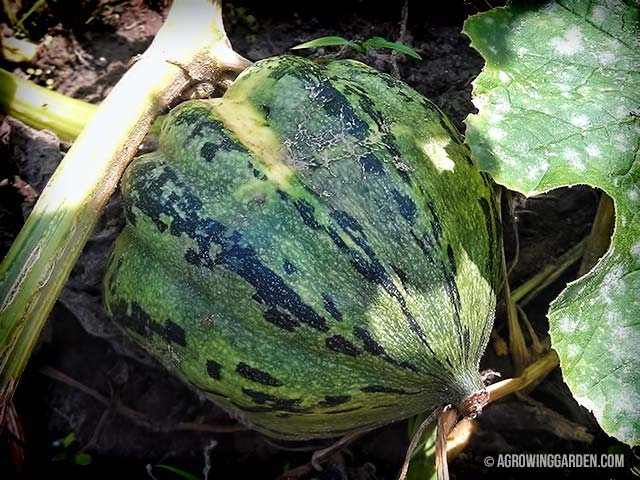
(191,44)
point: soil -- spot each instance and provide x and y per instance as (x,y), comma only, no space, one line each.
(125,410)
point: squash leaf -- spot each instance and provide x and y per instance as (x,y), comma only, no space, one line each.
(558,102)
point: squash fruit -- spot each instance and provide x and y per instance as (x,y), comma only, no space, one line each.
(315,251)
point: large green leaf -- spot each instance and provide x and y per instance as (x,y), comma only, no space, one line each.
(558,103)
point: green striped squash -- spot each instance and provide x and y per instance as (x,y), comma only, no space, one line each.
(315,251)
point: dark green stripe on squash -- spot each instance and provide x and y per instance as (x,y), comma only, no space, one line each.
(339,275)
(339,344)
(257,375)
(333,401)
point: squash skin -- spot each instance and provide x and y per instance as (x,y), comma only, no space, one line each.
(315,251)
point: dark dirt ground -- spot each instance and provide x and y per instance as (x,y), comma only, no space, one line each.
(84,373)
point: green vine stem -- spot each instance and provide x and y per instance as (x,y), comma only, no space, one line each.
(191,44)
(9,12)
(42,108)
(600,236)
(517,344)
(532,287)
(533,373)
(536,348)
(45,109)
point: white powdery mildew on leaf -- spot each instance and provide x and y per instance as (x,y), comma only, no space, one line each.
(570,43)
(619,141)
(534,94)
(536,171)
(497,134)
(578,92)
(598,14)
(617,330)
(564,92)
(593,151)
(574,159)
(606,58)
(589,404)
(612,283)
(567,324)
(621,111)
(617,398)
(573,351)
(579,121)
(628,402)
(494,119)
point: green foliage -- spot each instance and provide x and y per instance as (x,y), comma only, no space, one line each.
(243,14)
(67,440)
(104,10)
(235,15)
(19,16)
(8,11)
(558,101)
(379,42)
(360,47)
(34,8)
(68,450)
(82,459)
(178,472)
(423,460)
(330,42)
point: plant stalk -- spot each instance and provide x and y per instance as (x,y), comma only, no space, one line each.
(532,287)
(42,108)
(534,372)
(446,422)
(517,344)
(191,44)
(600,236)
(11,14)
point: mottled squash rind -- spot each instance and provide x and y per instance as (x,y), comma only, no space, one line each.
(315,251)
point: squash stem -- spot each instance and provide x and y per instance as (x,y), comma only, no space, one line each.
(45,109)
(533,373)
(42,108)
(39,261)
